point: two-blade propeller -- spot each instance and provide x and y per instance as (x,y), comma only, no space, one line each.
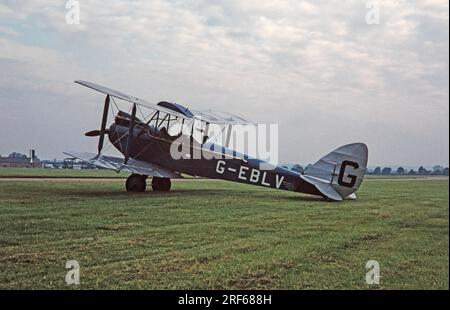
(103,126)
(101,133)
(95,133)
(103,130)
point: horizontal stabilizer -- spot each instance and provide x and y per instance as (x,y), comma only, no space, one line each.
(323,187)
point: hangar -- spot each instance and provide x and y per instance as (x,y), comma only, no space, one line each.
(17,160)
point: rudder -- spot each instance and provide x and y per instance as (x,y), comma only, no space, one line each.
(340,173)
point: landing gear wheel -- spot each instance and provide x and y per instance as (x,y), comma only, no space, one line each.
(136,183)
(161,184)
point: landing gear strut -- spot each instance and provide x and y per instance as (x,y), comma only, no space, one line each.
(161,184)
(136,183)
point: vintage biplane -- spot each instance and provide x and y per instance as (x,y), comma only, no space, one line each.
(145,142)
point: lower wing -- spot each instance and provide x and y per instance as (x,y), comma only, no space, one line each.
(133,165)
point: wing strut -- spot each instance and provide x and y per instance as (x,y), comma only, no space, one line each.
(227,142)
(130,134)
(103,128)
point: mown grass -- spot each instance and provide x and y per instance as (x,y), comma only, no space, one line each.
(221,235)
(59,173)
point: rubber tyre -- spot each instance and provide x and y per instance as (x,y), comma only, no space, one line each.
(136,183)
(161,184)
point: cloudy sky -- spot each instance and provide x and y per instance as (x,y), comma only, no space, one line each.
(317,68)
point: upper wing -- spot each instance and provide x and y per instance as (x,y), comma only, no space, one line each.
(133,165)
(222,118)
(173,109)
(122,96)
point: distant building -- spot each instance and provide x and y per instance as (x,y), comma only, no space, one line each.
(77,167)
(17,160)
(67,163)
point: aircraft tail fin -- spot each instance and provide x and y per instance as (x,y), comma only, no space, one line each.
(340,173)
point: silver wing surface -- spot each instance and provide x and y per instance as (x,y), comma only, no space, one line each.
(133,165)
(209,116)
(122,96)
(221,118)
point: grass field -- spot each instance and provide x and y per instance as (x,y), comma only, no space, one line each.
(215,234)
(59,173)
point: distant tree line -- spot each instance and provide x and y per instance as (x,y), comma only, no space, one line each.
(437,170)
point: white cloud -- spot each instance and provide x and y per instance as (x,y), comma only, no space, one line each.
(315,67)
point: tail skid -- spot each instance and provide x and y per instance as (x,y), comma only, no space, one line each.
(340,173)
